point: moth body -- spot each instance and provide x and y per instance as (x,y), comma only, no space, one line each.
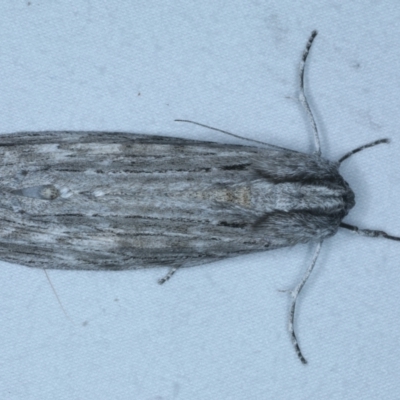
(112,201)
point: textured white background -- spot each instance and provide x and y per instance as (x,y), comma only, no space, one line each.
(218,331)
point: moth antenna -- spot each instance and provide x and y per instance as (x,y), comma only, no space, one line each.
(365,146)
(302,98)
(368,232)
(302,95)
(295,293)
(229,133)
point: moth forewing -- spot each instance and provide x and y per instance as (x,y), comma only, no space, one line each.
(117,201)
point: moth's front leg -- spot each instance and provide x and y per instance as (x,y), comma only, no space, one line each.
(167,277)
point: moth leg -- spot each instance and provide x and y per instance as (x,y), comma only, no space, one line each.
(361,148)
(302,95)
(295,293)
(368,232)
(168,276)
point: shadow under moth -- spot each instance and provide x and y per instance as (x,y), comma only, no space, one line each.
(114,201)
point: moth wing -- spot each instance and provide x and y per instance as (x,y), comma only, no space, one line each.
(95,200)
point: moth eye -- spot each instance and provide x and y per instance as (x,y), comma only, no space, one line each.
(43,192)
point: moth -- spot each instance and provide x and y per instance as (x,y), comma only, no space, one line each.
(115,201)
